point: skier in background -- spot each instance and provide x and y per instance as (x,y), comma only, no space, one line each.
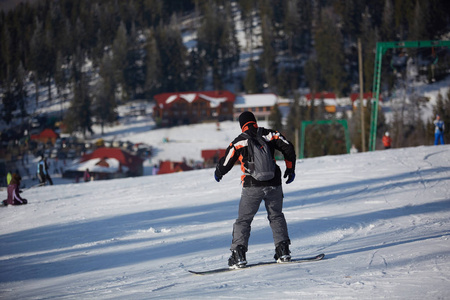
(254,191)
(439,130)
(387,141)
(87,176)
(42,171)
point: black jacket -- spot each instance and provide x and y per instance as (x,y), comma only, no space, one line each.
(238,149)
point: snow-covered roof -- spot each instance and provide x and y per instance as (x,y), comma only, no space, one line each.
(214,97)
(255,100)
(112,166)
(329,99)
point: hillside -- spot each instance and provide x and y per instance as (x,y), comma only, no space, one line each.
(381,218)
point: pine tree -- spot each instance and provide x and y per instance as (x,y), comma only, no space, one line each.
(218,44)
(231,44)
(297,114)
(252,82)
(369,38)
(5,52)
(61,77)
(153,66)
(14,96)
(350,11)
(20,93)
(268,55)
(9,104)
(275,118)
(312,75)
(247,8)
(305,26)
(388,22)
(79,115)
(119,60)
(291,27)
(173,56)
(49,62)
(134,72)
(37,59)
(105,97)
(329,47)
(417,25)
(196,71)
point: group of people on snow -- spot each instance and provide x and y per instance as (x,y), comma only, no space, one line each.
(439,127)
(254,189)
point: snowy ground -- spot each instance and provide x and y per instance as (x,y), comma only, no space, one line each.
(381,218)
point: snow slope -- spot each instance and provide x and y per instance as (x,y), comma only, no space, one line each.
(381,218)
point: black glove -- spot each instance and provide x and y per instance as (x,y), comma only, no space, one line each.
(290,173)
(217,175)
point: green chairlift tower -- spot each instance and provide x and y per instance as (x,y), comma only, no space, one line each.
(382,47)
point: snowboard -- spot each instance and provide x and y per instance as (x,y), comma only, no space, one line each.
(249,266)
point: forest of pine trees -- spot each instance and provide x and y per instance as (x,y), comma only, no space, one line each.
(136,48)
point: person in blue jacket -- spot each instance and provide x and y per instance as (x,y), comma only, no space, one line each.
(42,171)
(439,130)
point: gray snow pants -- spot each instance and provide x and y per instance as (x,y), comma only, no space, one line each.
(251,198)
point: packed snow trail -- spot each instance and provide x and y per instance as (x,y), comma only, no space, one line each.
(382,218)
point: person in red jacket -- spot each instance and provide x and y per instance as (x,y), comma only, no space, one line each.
(387,141)
(14,197)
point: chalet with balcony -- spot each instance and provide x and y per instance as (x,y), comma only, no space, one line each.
(259,104)
(193,107)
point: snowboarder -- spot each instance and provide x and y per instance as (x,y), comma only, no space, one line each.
(42,171)
(387,141)
(254,191)
(14,197)
(439,130)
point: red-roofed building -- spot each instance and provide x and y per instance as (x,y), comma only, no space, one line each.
(133,163)
(354,97)
(166,167)
(259,104)
(193,107)
(45,136)
(211,157)
(329,100)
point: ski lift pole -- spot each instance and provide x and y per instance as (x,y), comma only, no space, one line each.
(382,47)
(381,50)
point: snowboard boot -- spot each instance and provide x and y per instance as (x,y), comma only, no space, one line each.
(237,259)
(282,253)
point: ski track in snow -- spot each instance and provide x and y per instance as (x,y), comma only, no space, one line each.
(381,218)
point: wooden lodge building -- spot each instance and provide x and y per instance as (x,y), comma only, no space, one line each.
(180,108)
(259,104)
(193,107)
